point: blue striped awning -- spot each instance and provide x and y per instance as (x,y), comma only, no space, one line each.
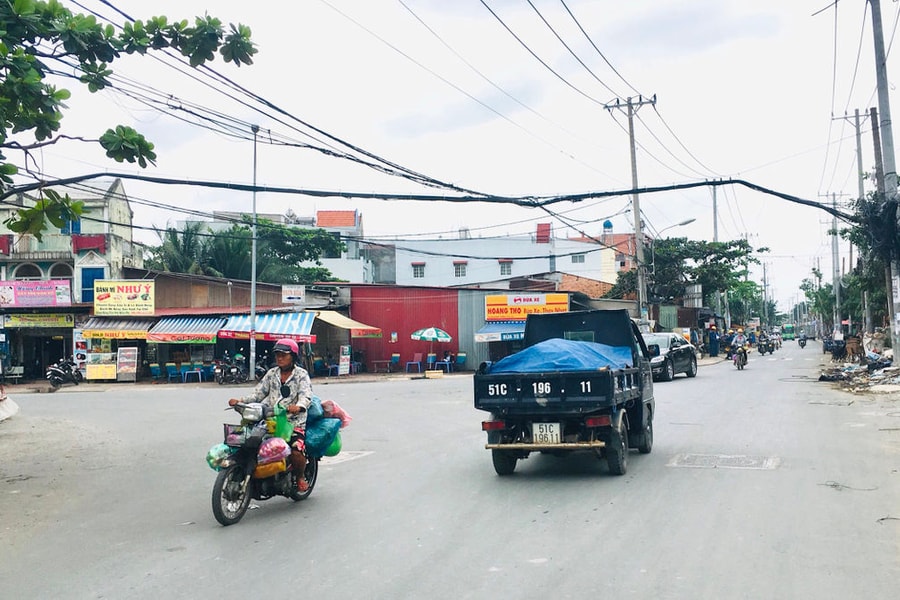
(272,327)
(186,330)
(501,331)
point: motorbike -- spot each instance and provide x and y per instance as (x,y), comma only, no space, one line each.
(740,357)
(228,371)
(63,371)
(801,342)
(254,462)
(766,346)
(262,365)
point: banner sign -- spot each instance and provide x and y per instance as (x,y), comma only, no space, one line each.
(52,292)
(46,320)
(517,307)
(124,297)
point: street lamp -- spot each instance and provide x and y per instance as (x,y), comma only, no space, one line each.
(653,244)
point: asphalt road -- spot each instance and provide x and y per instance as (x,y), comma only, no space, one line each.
(762,484)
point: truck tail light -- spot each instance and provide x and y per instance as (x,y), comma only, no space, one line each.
(599,421)
(493,425)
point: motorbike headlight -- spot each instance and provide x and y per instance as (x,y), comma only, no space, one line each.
(253,412)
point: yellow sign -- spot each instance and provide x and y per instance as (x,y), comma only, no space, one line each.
(128,297)
(46,320)
(115,334)
(104,371)
(517,307)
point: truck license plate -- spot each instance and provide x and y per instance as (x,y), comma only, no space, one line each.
(545,433)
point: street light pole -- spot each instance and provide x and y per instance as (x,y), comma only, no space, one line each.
(255,130)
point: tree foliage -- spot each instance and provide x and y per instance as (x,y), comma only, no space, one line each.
(279,250)
(675,263)
(41,39)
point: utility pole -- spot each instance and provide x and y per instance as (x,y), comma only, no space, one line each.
(862,194)
(887,148)
(631,106)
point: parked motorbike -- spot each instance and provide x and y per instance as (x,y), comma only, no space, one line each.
(740,357)
(63,371)
(802,342)
(262,365)
(254,462)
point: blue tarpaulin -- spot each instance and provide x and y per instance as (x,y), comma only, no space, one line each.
(564,355)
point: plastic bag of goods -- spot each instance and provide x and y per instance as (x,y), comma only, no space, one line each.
(269,469)
(333,409)
(321,434)
(217,455)
(272,450)
(314,413)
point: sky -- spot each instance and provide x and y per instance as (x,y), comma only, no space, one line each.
(514,98)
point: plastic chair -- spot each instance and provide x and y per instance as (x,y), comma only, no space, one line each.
(155,371)
(431,359)
(416,362)
(460,360)
(172,372)
(395,360)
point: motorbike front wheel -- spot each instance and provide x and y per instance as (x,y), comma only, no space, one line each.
(230,498)
(55,382)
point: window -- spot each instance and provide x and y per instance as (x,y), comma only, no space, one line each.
(506,268)
(578,258)
(418,270)
(459,269)
(73,227)
(28,272)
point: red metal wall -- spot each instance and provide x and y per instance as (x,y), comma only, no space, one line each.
(403,310)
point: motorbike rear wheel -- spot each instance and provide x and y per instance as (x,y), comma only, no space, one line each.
(55,383)
(230,499)
(311,473)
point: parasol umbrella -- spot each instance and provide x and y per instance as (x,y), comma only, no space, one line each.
(431,334)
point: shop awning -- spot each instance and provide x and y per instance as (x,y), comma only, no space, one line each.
(501,331)
(357,329)
(272,327)
(117,329)
(186,330)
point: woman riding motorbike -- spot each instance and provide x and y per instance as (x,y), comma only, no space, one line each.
(287,372)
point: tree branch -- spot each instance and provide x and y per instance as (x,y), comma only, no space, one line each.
(35,146)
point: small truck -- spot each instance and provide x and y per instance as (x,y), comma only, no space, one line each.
(582,383)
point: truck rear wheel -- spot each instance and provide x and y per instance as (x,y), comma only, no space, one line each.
(646,444)
(504,462)
(617,450)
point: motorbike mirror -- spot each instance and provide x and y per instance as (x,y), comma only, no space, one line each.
(285,391)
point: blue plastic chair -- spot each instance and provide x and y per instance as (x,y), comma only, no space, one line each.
(172,372)
(431,359)
(155,372)
(460,360)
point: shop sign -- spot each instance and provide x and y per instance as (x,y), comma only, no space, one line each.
(52,292)
(115,334)
(45,320)
(293,294)
(517,307)
(124,297)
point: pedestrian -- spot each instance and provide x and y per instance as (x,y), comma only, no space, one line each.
(713,341)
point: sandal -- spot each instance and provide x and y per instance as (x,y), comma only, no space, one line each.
(302,485)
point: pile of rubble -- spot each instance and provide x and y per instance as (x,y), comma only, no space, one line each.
(873,372)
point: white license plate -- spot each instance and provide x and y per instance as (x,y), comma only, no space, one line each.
(233,370)
(545,433)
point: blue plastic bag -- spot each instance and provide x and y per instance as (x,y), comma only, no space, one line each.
(314,413)
(321,434)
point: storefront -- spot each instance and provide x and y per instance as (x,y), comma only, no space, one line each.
(115,347)
(335,334)
(184,339)
(505,315)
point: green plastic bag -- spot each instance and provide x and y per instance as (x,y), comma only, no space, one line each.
(283,427)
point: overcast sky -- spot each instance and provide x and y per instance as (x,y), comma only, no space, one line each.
(496,102)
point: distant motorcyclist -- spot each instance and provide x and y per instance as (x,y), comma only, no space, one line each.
(738,340)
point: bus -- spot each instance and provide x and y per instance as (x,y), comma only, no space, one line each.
(787,331)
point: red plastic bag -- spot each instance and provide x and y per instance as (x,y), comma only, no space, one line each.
(333,410)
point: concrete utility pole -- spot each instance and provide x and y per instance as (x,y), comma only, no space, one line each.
(631,106)
(835,265)
(867,314)
(252,368)
(887,150)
